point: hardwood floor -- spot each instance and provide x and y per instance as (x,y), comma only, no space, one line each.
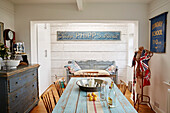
(39,108)
(142,109)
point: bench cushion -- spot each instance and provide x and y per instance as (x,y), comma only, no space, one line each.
(100,72)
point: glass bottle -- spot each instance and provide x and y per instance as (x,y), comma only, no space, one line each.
(103,92)
(91,82)
(112,96)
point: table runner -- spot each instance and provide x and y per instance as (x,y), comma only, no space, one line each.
(74,100)
(94,106)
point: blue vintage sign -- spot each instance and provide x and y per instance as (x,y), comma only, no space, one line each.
(88,35)
(158,33)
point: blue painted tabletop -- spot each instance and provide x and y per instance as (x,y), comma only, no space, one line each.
(73,100)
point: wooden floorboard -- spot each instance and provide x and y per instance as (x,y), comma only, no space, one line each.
(39,108)
(142,109)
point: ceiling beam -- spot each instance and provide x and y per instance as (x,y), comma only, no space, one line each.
(79,4)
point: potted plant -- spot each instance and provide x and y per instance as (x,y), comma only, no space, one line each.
(4,51)
(4,54)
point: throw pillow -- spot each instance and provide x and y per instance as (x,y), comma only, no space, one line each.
(73,67)
(70,68)
(111,69)
(76,66)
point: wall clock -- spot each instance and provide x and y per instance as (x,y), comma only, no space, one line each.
(9,38)
(8,34)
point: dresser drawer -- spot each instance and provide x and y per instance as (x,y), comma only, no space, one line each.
(30,100)
(23,94)
(21,79)
(17,109)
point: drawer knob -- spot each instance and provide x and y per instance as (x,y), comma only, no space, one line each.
(33,85)
(33,74)
(16,96)
(16,82)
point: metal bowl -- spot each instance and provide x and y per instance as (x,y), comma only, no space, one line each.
(83,85)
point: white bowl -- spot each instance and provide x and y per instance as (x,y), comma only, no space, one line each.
(12,63)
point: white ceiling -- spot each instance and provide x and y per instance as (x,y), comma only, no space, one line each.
(74,1)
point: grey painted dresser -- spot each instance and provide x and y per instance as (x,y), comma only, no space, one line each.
(19,89)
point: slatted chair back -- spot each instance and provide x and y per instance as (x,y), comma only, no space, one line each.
(123,86)
(50,98)
(58,87)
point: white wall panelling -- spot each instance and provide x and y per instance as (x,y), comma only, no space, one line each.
(63,51)
(89,55)
(89,47)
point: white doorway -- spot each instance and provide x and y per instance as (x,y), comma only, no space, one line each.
(43,55)
(62,52)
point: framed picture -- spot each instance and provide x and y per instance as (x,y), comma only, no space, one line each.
(88,35)
(1,32)
(158,33)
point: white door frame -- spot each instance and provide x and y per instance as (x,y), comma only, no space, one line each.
(34,53)
(34,43)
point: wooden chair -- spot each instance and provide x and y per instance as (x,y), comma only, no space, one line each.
(50,98)
(59,87)
(123,86)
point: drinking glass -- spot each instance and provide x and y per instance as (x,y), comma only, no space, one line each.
(103,92)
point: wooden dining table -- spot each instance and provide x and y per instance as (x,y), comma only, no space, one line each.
(74,100)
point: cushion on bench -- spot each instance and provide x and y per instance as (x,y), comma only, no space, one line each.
(73,67)
(100,72)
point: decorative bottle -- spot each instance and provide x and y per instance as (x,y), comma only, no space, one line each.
(91,82)
(103,92)
(112,96)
